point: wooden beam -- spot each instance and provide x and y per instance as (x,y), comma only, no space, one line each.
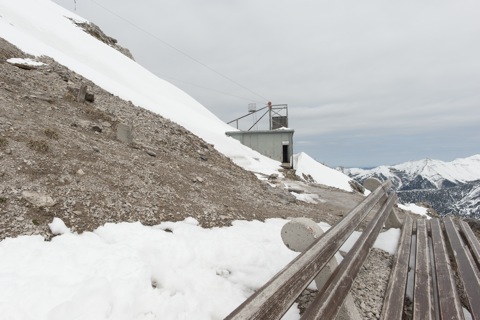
(395,294)
(422,290)
(466,268)
(471,241)
(448,299)
(329,300)
(273,299)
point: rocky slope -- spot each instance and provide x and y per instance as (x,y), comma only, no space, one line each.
(61,157)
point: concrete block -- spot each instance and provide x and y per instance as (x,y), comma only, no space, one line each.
(124,133)
(372,183)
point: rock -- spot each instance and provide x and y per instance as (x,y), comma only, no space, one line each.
(89,97)
(198,179)
(82,124)
(96,149)
(295,189)
(80,172)
(38,199)
(151,153)
(273,176)
(356,186)
(97,129)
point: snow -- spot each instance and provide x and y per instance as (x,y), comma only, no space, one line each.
(305,165)
(415,209)
(386,241)
(27,62)
(57,226)
(130,271)
(307,197)
(176,270)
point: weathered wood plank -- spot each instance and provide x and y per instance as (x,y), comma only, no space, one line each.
(422,290)
(472,242)
(448,299)
(466,269)
(395,294)
(273,299)
(329,300)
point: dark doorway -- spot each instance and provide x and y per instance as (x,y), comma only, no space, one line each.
(285,157)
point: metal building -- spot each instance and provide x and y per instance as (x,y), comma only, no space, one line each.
(276,143)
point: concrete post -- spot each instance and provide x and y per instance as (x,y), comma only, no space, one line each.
(124,133)
(298,235)
(82,92)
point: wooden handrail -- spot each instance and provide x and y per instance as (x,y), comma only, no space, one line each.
(275,298)
(328,302)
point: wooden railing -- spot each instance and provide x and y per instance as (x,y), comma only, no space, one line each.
(274,299)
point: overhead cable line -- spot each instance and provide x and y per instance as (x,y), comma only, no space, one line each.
(205,88)
(178,50)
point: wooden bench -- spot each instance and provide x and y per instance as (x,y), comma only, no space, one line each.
(439,252)
(429,252)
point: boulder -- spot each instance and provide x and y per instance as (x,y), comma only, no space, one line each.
(38,199)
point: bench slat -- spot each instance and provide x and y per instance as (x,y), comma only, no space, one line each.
(466,269)
(273,299)
(328,301)
(422,291)
(472,242)
(395,294)
(449,302)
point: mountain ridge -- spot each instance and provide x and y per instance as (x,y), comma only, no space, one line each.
(449,187)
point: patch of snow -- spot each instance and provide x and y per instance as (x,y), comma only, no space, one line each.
(305,165)
(57,226)
(415,209)
(386,241)
(175,270)
(307,197)
(25,61)
(130,271)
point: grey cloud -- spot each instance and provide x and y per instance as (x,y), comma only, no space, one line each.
(405,71)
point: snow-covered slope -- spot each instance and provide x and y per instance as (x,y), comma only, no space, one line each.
(40,27)
(309,169)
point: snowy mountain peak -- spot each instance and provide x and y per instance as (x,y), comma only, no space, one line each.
(450,187)
(432,173)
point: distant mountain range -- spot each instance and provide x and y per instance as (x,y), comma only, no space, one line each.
(449,187)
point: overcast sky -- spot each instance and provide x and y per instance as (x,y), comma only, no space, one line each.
(366,82)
